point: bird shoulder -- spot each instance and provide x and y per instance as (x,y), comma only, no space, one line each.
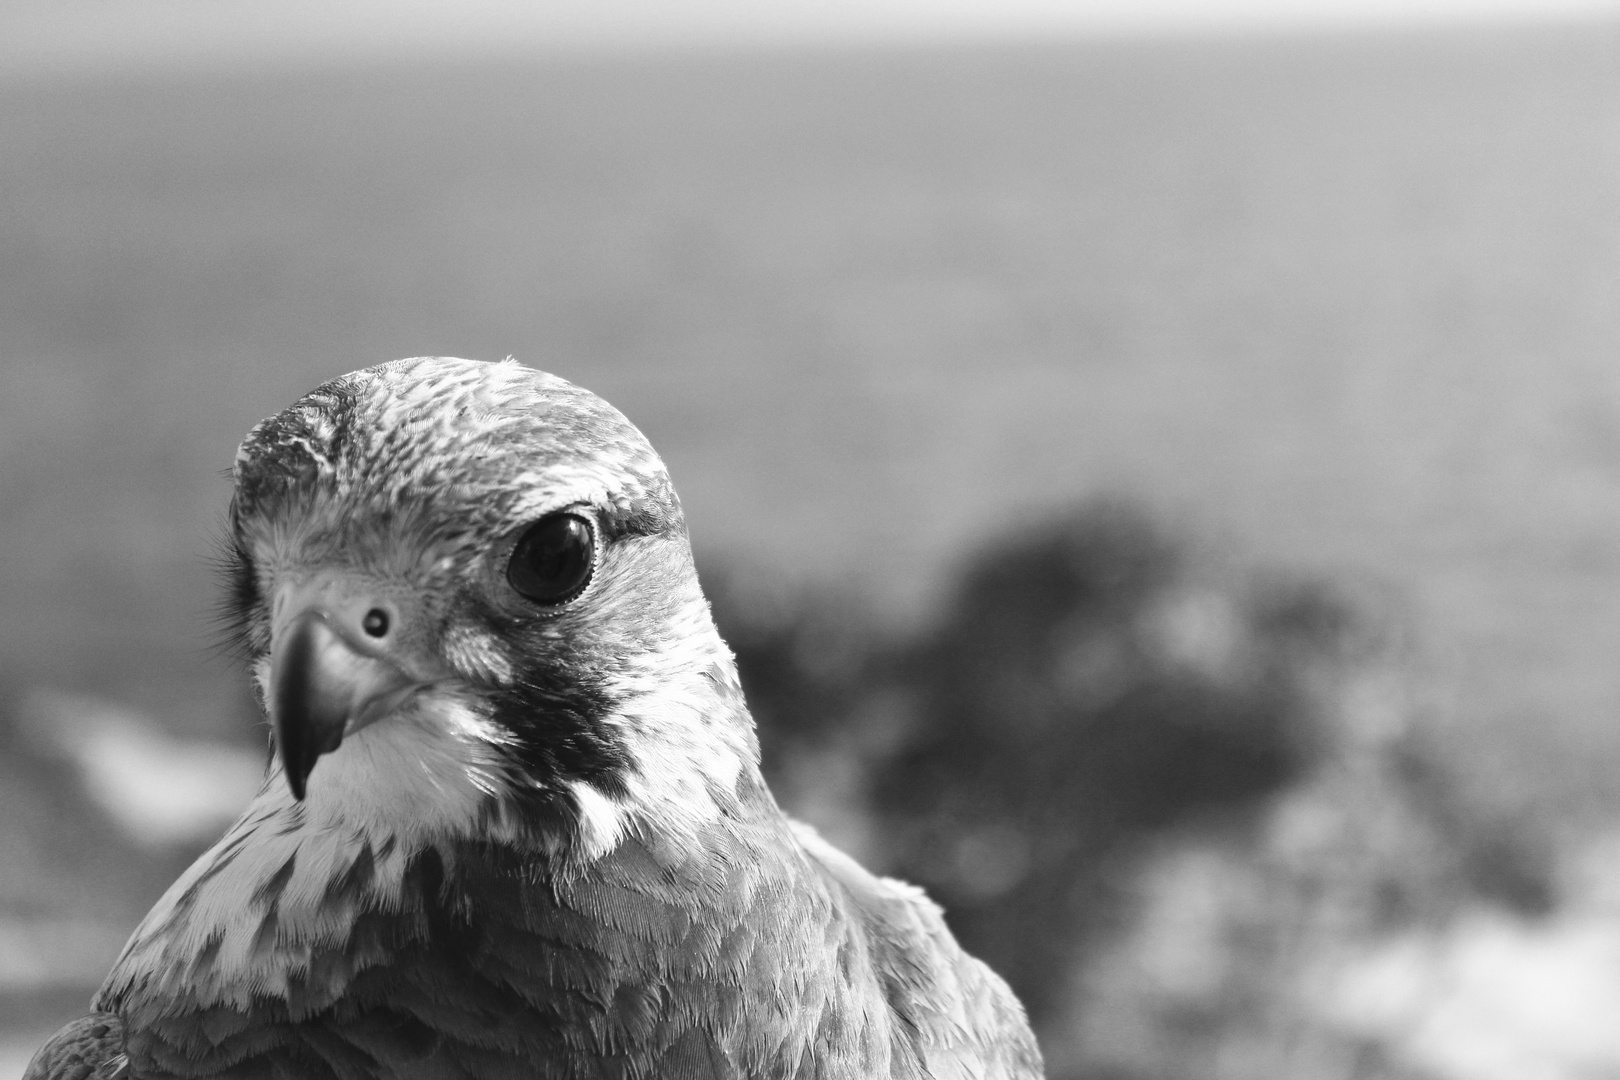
(957,1016)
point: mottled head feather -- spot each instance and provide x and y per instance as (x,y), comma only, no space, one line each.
(459,443)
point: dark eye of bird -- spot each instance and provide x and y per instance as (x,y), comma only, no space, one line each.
(552,561)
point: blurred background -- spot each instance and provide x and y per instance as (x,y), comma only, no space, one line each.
(1158,463)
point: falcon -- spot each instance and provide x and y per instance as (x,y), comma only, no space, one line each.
(514,823)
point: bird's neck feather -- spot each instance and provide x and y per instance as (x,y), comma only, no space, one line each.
(287,886)
(278,915)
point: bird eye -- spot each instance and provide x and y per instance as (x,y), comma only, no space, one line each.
(553,560)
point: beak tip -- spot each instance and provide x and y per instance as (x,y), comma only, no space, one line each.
(300,750)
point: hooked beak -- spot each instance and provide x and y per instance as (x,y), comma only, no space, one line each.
(323,686)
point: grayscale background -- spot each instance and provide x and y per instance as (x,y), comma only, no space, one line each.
(1158,465)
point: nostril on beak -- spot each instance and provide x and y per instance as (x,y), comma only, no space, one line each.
(375,623)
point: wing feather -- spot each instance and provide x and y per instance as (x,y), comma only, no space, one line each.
(957,1018)
(90,1048)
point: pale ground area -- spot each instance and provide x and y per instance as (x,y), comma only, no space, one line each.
(158,789)
(1485,996)
(1496,998)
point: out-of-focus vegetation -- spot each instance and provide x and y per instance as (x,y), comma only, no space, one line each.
(1176,805)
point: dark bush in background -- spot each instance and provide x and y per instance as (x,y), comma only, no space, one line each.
(1092,688)
(1060,728)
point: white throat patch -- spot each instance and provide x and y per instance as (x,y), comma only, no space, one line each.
(396,787)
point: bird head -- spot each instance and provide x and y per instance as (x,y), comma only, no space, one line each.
(468,599)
